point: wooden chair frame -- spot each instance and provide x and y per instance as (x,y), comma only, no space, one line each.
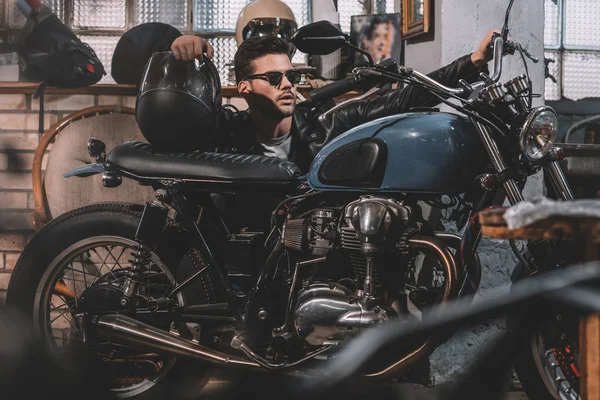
(39,217)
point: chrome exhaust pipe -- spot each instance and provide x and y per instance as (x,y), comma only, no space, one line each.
(143,336)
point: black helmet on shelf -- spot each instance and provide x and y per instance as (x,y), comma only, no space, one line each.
(178,103)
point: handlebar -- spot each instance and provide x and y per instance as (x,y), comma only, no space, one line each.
(499,48)
(498,53)
(425,79)
(333,89)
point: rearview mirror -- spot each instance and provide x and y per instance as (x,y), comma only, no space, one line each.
(319,38)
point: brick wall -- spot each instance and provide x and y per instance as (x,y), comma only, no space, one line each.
(19,139)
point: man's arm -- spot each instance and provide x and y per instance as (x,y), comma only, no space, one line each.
(467,67)
(188,47)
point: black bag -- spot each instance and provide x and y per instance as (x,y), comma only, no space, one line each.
(135,48)
(51,53)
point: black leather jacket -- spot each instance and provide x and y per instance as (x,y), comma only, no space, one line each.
(235,134)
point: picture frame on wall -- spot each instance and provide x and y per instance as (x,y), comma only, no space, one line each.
(378,34)
(415,18)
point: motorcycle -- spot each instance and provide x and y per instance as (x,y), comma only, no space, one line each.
(161,289)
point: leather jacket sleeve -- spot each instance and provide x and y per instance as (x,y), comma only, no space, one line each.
(399,101)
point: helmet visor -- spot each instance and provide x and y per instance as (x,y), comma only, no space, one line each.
(282,28)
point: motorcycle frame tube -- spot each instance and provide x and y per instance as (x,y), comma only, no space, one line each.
(178,203)
(241,316)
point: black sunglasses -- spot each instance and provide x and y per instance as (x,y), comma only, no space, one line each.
(275,77)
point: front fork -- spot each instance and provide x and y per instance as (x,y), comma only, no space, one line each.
(558,180)
(512,190)
(541,250)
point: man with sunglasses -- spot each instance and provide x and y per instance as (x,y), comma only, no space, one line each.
(274,125)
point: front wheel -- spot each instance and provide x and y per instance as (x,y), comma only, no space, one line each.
(76,267)
(548,363)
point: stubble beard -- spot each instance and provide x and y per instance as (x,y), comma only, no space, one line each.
(269,108)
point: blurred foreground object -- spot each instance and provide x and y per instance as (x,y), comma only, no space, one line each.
(29,371)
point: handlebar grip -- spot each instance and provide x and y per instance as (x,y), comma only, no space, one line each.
(334,89)
(509,46)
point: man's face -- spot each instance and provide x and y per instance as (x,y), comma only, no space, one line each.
(275,102)
(377,45)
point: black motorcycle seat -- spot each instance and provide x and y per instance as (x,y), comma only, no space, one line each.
(138,158)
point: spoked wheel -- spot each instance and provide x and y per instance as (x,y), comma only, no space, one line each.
(79,267)
(87,279)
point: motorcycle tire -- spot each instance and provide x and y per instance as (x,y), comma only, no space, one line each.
(184,379)
(533,369)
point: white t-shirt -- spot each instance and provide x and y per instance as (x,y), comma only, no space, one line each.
(275,147)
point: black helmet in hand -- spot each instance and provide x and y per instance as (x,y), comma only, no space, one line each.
(179,102)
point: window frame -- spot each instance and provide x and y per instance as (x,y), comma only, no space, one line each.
(560,4)
(562,48)
(11,33)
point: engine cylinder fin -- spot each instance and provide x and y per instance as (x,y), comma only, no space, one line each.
(295,234)
(359,266)
(349,238)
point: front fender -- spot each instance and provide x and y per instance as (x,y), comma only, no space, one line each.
(86,170)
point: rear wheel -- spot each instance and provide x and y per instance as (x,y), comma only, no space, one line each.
(75,269)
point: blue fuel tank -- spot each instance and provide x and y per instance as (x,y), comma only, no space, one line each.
(421,152)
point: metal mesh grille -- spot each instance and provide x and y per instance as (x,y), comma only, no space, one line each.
(16,19)
(173,12)
(552,25)
(104,46)
(301,10)
(302,13)
(581,24)
(580,75)
(347,8)
(57,7)
(552,90)
(217,15)
(299,58)
(225,48)
(99,14)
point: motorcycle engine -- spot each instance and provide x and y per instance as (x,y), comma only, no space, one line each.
(362,238)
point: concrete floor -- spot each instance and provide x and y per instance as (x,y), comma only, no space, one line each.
(221,387)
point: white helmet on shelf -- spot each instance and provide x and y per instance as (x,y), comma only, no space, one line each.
(266,17)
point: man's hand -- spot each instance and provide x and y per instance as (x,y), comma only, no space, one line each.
(481,55)
(188,47)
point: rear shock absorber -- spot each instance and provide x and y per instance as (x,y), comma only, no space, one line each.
(148,233)
(141,258)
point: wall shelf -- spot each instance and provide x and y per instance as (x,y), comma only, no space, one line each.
(101,89)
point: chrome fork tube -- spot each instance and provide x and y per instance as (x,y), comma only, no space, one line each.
(513,192)
(510,186)
(559,181)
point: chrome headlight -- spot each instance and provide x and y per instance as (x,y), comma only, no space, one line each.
(538,133)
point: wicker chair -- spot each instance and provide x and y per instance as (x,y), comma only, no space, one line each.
(54,194)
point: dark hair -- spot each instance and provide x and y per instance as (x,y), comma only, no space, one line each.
(370,28)
(253,48)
